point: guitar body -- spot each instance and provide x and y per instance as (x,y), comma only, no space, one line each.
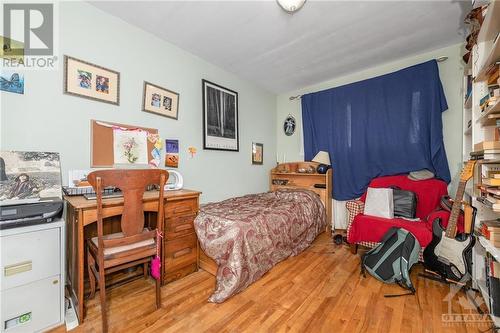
(449,254)
(449,257)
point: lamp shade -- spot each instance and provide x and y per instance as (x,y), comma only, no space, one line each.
(322,157)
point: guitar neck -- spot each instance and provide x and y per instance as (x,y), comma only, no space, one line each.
(455,210)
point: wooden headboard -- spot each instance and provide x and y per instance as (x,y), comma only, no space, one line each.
(296,175)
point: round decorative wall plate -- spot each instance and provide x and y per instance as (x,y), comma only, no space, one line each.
(289,125)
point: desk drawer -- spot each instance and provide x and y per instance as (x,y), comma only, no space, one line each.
(181,207)
(32,307)
(179,273)
(180,252)
(179,226)
(28,257)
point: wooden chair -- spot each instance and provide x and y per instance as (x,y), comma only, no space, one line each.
(134,244)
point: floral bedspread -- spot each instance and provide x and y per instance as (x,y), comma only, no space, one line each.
(247,236)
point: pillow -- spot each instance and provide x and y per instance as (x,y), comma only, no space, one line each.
(379,202)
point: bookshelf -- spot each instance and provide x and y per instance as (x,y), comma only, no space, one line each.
(485,58)
(303,175)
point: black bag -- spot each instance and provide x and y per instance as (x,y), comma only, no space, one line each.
(405,203)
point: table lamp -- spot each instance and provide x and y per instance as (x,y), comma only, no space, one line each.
(323,158)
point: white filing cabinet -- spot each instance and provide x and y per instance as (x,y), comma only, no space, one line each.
(32,278)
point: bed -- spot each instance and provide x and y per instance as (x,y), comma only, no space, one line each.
(246,236)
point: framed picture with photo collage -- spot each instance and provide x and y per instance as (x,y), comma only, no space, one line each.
(87,80)
(160,101)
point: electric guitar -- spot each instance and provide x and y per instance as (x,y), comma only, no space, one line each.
(450,254)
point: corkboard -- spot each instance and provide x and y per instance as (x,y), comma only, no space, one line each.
(101,146)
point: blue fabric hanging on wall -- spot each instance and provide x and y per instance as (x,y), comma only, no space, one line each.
(382,126)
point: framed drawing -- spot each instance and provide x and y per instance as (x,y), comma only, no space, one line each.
(220,117)
(161,101)
(29,176)
(257,153)
(91,81)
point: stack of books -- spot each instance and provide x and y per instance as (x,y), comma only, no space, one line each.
(490,99)
(493,95)
(490,186)
(493,283)
(491,231)
(488,150)
(487,154)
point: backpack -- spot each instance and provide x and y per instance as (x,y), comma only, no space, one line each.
(392,259)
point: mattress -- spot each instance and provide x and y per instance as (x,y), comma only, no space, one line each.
(247,236)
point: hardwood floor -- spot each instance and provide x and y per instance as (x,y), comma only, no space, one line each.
(321,290)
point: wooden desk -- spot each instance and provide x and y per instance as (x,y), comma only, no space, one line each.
(179,244)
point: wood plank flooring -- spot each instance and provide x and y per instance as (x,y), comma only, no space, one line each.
(320,290)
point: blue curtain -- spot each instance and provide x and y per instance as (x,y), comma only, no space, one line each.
(382,126)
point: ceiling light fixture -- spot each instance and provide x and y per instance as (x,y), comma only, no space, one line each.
(291,6)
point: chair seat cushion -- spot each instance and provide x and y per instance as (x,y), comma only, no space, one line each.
(366,228)
(117,249)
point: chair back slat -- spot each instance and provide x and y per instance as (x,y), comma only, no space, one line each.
(132,183)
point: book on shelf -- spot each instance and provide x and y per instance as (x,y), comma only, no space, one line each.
(489,170)
(491,181)
(487,101)
(487,145)
(493,200)
(490,229)
(494,207)
(488,154)
(492,270)
(485,190)
(489,204)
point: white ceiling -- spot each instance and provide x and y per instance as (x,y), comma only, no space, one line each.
(258,41)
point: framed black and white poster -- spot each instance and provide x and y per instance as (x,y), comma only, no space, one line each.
(220,117)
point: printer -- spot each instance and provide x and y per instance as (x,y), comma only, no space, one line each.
(13,216)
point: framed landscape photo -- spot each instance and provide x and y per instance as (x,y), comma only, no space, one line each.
(160,101)
(257,153)
(87,80)
(220,117)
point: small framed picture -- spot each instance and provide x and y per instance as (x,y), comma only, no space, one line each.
(257,153)
(160,101)
(87,80)
(12,81)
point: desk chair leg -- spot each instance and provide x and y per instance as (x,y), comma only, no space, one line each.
(145,269)
(102,294)
(354,248)
(158,293)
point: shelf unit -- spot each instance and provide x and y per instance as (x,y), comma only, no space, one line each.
(489,115)
(485,54)
(287,176)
